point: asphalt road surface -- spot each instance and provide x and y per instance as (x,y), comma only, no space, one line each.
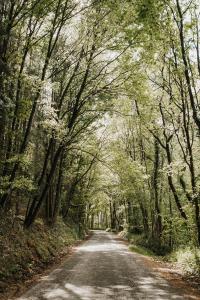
(103,268)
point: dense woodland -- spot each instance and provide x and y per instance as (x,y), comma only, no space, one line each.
(100,116)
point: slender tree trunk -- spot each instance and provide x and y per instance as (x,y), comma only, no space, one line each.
(37,201)
(158,218)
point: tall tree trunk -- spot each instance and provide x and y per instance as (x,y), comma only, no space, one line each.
(158,217)
(38,200)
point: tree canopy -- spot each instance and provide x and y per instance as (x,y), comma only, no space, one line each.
(100,115)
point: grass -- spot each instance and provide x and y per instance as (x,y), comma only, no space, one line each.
(186,258)
(135,243)
(141,250)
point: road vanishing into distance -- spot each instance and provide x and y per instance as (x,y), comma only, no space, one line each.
(103,268)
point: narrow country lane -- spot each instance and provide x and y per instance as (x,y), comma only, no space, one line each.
(103,268)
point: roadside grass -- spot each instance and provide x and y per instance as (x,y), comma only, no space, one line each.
(141,250)
(185,258)
(143,245)
(139,244)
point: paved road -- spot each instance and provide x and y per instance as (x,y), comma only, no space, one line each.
(103,268)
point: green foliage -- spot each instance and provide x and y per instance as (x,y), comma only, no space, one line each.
(99,119)
(187,259)
(23,183)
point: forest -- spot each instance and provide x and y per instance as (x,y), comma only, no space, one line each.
(100,121)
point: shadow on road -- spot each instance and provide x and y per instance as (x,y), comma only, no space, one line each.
(103,268)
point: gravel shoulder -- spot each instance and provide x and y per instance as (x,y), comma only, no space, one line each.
(104,268)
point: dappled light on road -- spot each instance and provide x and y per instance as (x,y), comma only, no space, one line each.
(103,269)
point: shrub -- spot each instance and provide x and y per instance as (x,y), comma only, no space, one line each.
(188,260)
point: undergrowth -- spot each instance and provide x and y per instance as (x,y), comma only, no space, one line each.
(186,258)
(148,244)
(26,251)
